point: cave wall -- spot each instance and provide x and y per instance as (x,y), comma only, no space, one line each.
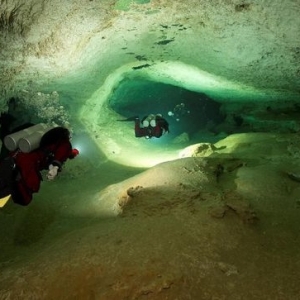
(73,46)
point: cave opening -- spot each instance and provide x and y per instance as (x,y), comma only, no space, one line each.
(140,97)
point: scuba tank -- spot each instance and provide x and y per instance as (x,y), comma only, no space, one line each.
(27,139)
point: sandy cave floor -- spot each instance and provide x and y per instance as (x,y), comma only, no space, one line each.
(180,234)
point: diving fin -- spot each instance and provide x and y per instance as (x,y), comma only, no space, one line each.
(129,119)
(4,200)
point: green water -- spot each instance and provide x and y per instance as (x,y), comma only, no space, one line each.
(142,97)
(125,4)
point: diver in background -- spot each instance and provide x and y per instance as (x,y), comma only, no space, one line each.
(151,126)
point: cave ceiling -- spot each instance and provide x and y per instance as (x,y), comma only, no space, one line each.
(80,51)
(73,43)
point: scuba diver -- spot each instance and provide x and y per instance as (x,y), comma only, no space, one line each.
(20,175)
(151,126)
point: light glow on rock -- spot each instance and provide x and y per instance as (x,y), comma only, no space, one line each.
(117,141)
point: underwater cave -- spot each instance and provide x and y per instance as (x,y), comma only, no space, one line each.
(208,211)
(139,97)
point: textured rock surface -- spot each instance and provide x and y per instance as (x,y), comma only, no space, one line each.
(63,42)
(220,227)
(181,230)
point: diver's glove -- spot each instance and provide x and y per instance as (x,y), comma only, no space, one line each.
(52,172)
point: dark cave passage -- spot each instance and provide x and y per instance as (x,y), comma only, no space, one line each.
(142,97)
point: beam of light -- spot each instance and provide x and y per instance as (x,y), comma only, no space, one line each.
(147,161)
(80,146)
(146,154)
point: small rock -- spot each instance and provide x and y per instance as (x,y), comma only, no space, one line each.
(218,212)
(228,269)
